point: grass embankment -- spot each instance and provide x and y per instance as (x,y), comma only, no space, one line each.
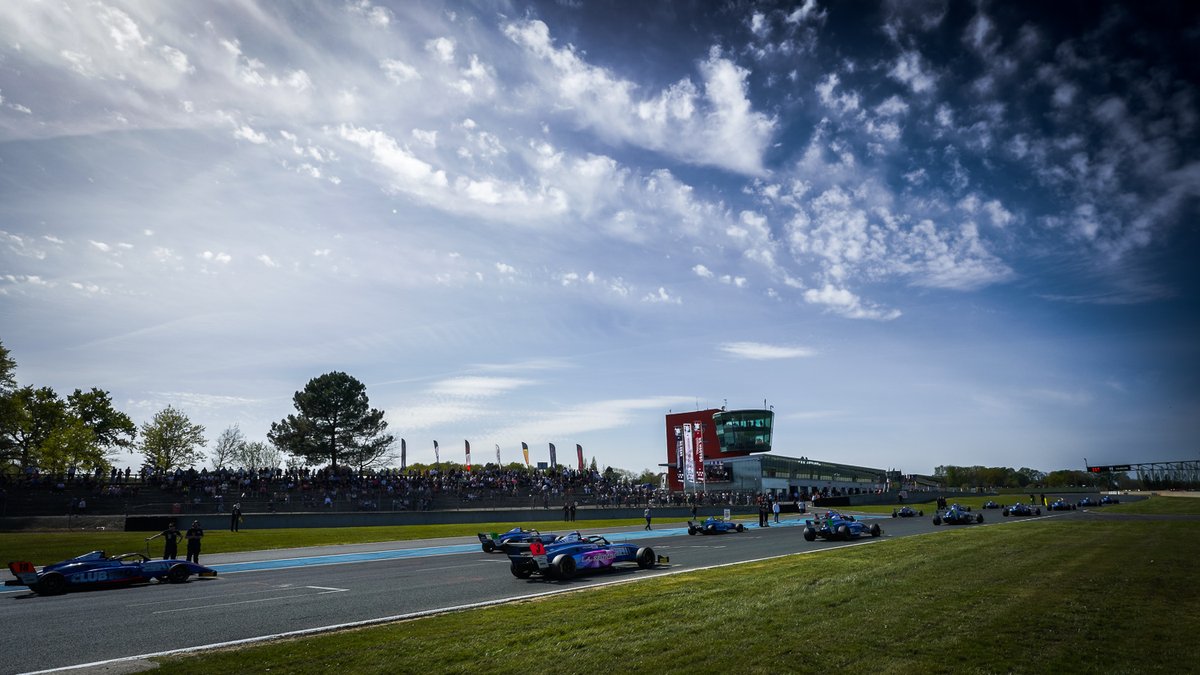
(1159,505)
(1039,597)
(41,548)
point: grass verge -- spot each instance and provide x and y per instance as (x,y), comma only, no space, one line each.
(1036,597)
(1160,505)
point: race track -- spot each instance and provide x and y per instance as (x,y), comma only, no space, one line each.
(267,593)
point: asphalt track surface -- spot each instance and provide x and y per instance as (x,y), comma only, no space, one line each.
(268,593)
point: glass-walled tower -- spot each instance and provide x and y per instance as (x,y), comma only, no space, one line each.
(743,431)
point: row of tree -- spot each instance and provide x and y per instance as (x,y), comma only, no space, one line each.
(333,424)
(1007,477)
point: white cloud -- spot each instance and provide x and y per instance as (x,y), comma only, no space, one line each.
(847,304)
(702,271)
(266,260)
(758,351)
(910,69)
(246,133)
(477,386)
(398,71)
(662,296)
(442,48)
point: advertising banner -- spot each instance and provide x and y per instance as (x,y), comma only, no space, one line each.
(553,457)
(468,443)
(579,450)
(525,451)
(698,427)
(689,454)
(679,453)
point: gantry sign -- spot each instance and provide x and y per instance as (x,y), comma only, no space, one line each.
(1183,473)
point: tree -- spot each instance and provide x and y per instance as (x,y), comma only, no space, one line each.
(113,429)
(72,444)
(227,447)
(8,381)
(30,416)
(259,455)
(171,441)
(335,424)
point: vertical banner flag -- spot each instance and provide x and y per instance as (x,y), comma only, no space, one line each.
(579,449)
(468,454)
(437,456)
(403,454)
(689,454)
(497,454)
(679,454)
(553,459)
(699,428)
(525,451)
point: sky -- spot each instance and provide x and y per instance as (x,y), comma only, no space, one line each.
(924,233)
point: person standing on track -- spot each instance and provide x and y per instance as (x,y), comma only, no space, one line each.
(647,514)
(193,536)
(171,537)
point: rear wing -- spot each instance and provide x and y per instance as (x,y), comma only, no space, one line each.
(25,573)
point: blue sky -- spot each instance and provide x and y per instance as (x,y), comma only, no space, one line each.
(926,233)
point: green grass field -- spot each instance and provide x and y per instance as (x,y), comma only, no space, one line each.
(1035,597)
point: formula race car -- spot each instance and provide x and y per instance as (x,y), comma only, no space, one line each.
(1087,501)
(1106,499)
(989,504)
(906,512)
(563,557)
(957,515)
(493,542)
(1020,509)
(835,526)
(1061,504)
(96,570)
(713,525)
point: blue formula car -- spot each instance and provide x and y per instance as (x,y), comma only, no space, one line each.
(957,515)
(495,542)
(570,553)
(906,512)
(1108,499)
(96,570)
(712,525)
(835,526)
(989,504)
(1061,504)
(1020,509)
(1088,501)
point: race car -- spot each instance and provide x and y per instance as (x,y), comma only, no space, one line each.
(1020,509)
(713,525)
(957,515)
(1107,499)
(835,526)
(906,512)
(568,554)
(1061,504)
(96,570)
(1088,501)
(989,504)
(493,542)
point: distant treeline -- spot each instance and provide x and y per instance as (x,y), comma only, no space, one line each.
(1007,477)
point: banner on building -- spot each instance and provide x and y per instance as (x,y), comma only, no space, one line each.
(689,454)
(679,453)
(698,427)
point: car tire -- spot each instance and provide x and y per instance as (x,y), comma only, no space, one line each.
(178,574)
(810,534)
(843,532)
(691,530)
(1004,513)
(50,584)
(921,513)
(489,546)
(979,518)
(740,527)
(1038,512)
(563,566)
(520,571)
(875,530)
(645,557)
(937,520)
